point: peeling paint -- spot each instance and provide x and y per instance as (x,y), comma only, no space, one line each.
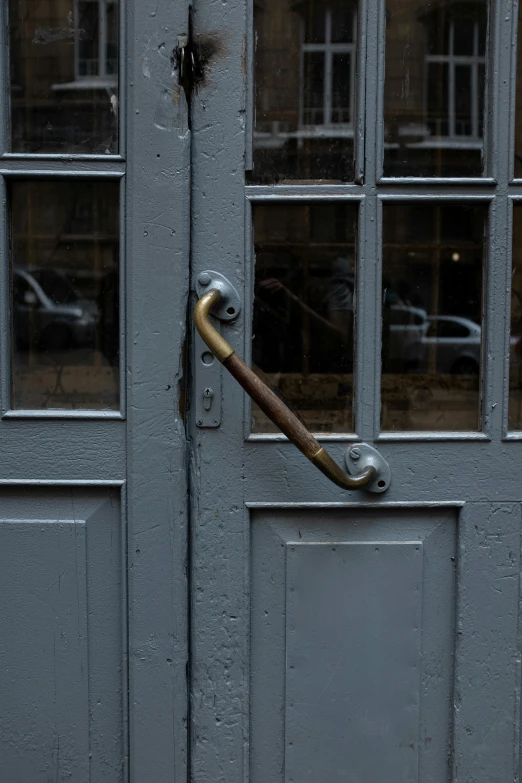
(159,65)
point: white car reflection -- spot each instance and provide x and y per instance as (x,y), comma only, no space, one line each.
(49,312)
(451,344)
(407,326)
(444,343)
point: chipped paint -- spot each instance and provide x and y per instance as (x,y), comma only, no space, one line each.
(158,64)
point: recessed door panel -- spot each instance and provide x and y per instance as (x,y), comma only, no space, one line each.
(352,645)
(61,609)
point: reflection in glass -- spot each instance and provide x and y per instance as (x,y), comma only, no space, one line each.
(305,65)
(518,111)
(515,370)
(304,310)
(434,89)
(433,256)
(65,294)
(64,76)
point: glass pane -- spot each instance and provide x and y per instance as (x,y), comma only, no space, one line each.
(313,87)
(64,82)
(434,89)
(437,115)
(433,258)
(341,88)
(463,35)
(111,44)
(304,91)
(343,22)
(304,310)
(515,374)
(518,112)
(463,101)
(314,22)
(65,294)
(89,41)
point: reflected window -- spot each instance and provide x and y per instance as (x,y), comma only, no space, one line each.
(434,89)
(96,38)
(63,76)
(455,73)
(305,73)
(329,35)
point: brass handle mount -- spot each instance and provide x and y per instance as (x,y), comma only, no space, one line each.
(366,467)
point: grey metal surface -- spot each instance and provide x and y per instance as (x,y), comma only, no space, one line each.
(361,456)
(219,672)
(207,384)
(487,661)
(62,661)
(341,669)
(157,251)
(353,617)
(229,306)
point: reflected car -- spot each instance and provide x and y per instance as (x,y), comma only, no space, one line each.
(406,327)
(49,312)
(453,343)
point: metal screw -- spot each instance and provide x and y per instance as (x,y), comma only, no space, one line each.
(204,279)
(355,453)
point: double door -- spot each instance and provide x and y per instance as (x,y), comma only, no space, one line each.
(184,593)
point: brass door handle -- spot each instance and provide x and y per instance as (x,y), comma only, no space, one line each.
(374,476)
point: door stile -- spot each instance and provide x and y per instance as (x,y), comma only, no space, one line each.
(500,99)
(486,730)
(157,221)
(369,302)
(219,535)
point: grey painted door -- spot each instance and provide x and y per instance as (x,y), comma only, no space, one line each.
(94,282)
(355,178)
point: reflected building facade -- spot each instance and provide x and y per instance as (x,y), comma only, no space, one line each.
(64,76)
(63,57)
(64,99)
(306,63)
(433,257)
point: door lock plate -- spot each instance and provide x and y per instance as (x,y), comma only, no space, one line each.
(207,378)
